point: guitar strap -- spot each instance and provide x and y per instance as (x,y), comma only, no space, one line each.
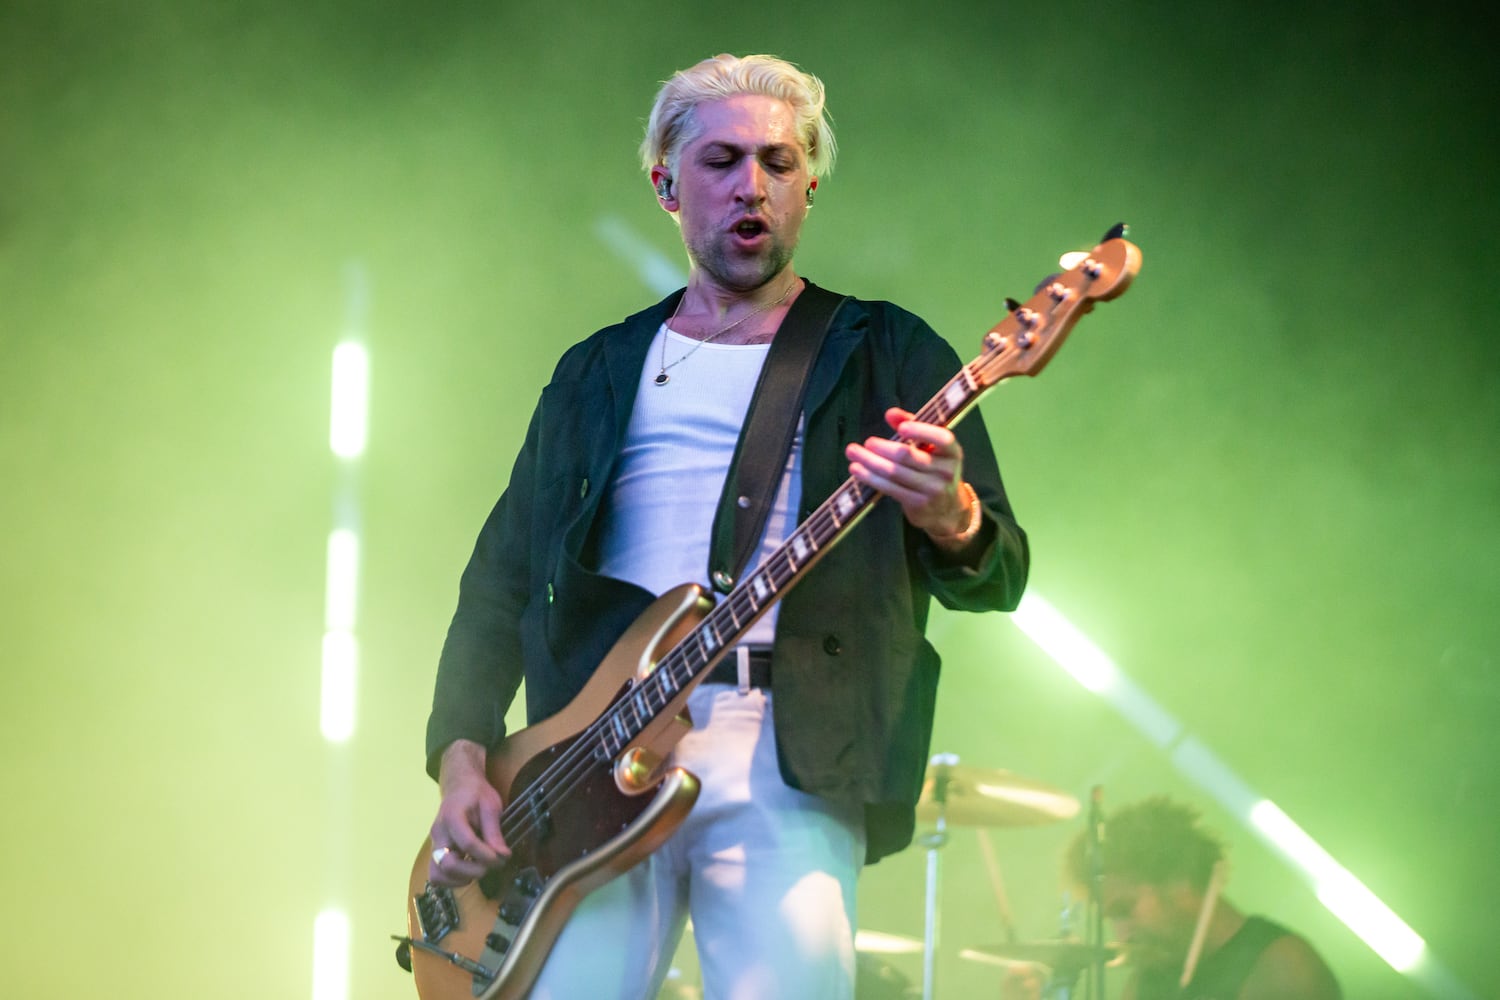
(766,437)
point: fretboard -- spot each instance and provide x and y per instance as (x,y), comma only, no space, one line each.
(728,622)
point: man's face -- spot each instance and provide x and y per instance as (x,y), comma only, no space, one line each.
(1154,923)
(741,190)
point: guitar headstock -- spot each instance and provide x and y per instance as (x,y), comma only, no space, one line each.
(1025,340)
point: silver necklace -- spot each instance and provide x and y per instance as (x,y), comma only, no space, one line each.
(662,378)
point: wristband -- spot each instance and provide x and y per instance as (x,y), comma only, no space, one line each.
(976,518)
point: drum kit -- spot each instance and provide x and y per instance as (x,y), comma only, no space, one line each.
(955,794)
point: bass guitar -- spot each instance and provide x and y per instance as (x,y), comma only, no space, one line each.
(588,793)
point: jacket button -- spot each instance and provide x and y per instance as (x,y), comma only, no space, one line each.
(723,581)
(583,489)
(831,645)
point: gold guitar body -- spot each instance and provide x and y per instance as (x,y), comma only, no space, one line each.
(490,939)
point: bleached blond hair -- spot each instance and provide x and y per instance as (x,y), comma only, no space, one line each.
(673,124)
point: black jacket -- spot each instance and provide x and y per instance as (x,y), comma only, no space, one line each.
(854,678)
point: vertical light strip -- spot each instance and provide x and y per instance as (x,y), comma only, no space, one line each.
(340,648)
(341,595)
(350,397)
(340,668)
(331,956)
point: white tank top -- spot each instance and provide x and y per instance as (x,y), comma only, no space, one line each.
(659,512)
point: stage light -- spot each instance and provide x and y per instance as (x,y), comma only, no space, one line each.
(1344,895)
(331,956)
(341,593)
(350,398)
(1068,647)
(340,667)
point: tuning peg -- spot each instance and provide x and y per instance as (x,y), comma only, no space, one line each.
(1049,279)
(1118,230)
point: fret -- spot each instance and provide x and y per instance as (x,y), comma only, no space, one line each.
(800,546)
(603,751)
(710,637)
(650,697)
(843,504)
(617,735)
(744,608)
(783,566)
(680,672)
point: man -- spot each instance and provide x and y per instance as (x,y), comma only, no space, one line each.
(1159,878)
(809,769)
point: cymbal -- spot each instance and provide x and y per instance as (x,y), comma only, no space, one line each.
(975,796)
(1061,957)
(881,943)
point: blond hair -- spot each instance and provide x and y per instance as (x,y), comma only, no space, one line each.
(672,123)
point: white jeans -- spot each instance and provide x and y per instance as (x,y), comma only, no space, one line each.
(766,872)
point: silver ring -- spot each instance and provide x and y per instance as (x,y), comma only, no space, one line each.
(441,853)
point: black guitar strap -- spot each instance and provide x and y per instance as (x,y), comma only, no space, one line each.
(766,438)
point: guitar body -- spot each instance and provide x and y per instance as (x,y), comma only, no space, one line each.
(491,938)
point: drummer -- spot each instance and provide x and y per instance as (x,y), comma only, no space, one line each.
(1161,875)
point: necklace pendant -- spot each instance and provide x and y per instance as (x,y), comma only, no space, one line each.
(662,379)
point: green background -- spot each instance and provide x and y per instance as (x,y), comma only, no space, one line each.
(1264,481)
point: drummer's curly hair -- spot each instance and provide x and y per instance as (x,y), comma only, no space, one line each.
(1155,841)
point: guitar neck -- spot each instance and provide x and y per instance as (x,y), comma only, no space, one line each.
(730,620)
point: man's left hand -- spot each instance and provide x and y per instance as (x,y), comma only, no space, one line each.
(921,472)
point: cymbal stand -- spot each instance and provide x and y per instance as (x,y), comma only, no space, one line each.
(934,842)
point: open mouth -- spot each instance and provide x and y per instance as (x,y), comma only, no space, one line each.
(749,229)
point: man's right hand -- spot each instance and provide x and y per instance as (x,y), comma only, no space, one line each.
(466,839)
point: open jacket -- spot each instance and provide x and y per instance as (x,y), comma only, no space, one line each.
(854,678)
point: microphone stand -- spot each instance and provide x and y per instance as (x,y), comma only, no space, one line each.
(1094,936)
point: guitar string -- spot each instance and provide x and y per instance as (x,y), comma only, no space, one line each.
(572,766)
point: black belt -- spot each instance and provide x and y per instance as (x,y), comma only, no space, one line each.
(727,670)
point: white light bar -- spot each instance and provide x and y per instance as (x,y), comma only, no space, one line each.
(351,395)
(1068,647)
(340,666)
(331,956)
(342,588)
(1344,895)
